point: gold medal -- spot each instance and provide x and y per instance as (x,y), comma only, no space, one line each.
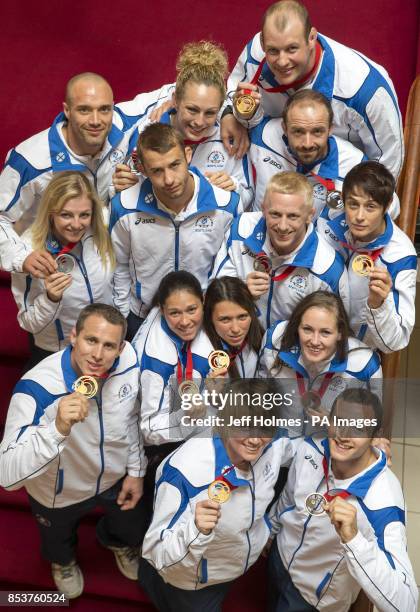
(187,387)
(219,491)
(362,264)
(315,504)
(245,105)
(218,360)
(86,385)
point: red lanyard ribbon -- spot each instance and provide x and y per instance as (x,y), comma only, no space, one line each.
(321,391)
(328,183)
(295,84)
(69,247)
(328,496)
(287,272)
(223,479)
(372,254)
(188,368)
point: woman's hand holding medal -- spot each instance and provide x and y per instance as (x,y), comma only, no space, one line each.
(56,284)
(39,264)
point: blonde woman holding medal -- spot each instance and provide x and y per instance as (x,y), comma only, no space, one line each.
(198,96)
(318,355)
(69,230)
(211,497)
(232,326)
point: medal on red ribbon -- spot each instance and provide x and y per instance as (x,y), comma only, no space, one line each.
(220,489)
(186,386)
(311,398)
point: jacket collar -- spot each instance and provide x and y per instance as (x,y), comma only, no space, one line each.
(59,151)
(293,358)
(342,232)
(69,374)
(305,256)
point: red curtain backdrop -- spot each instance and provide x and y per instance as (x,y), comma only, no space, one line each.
(134,45)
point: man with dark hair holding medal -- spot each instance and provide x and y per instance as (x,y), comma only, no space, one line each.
(339,524)
(173,220)
(72,440)
(381,259)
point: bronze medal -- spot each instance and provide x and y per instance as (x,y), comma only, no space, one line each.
(362,264)
(218,360)
(262,263)
(219,491)
(86,385)
(187,387)
(245,105)
(315,504)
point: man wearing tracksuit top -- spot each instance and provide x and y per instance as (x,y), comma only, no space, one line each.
(301,141)
(289,54)
(298,261)
(72,450)
(89,136)
(173,220)
(339,524)
(382,300)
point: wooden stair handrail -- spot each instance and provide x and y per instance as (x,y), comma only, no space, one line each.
(408,190)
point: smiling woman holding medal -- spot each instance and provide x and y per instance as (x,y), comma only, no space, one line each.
(70,231)
(211,497)
(173,355)
(231,323)
(197,99)
(316,351)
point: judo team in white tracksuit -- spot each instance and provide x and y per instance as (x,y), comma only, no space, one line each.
(29,168)
(51,322)
(210,155)
(315,266)
(327,572)
(270,154)
(60,470)
(361,367)
(150,242)
(388,327)
(183,555)
(159,352)
(361,93)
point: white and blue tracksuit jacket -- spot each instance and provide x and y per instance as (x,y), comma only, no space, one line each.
(270,154)
(361,93)
(211,156)
(32,164)
(184,556)
(158,350)
(327,572)
(62,470)
(149,242)
(317,266)
(362,367)
(51,322)
(388,327)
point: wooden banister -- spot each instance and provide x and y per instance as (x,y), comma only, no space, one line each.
(408,190)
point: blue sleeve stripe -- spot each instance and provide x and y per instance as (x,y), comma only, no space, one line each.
(42,397)
(26,172)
